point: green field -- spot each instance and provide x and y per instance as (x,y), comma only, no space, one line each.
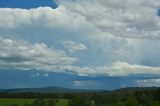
(21,102)
(62,102)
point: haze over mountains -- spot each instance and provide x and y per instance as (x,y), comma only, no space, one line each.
(69,90)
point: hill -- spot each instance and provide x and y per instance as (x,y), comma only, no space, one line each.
(47,90)
(68,90)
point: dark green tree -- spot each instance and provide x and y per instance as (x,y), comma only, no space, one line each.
(39,102)
(50,102)
(79,101)
(132,100)
(157,95)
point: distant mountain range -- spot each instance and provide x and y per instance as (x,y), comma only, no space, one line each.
(68,90)
(47,90)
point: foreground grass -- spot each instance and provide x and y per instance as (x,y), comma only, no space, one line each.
(21,102)
(8,101)
(62,102)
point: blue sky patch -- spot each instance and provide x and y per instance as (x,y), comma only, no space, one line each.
(27,4)
(158,12)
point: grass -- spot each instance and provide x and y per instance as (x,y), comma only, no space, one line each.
(62,102)
(21,102)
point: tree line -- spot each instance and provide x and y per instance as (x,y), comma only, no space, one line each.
(132,98)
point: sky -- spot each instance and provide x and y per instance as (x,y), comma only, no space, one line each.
(84,44)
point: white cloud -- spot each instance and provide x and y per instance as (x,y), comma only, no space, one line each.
(104,26)
(77,83)
(73,47)
(85,84)
(42,16)
(25,56)
(116,69)
(148,51)
(123,68)
(133,19)
(67,23)
(148,82)
(46,75)
(35,75)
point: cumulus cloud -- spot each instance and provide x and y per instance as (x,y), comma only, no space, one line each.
(73,46)
(104,26)
(66,22)
(132,19)
(46,75)
(24,56)
(43,16)
(116,69)
(148,82)
(18,54)
(133,69)
(35,75)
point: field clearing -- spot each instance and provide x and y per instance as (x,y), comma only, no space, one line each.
(62,102)
(21,102)
(8,101)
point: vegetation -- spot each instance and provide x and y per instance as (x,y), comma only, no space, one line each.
(32,102)
(137,97)
(13,101)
